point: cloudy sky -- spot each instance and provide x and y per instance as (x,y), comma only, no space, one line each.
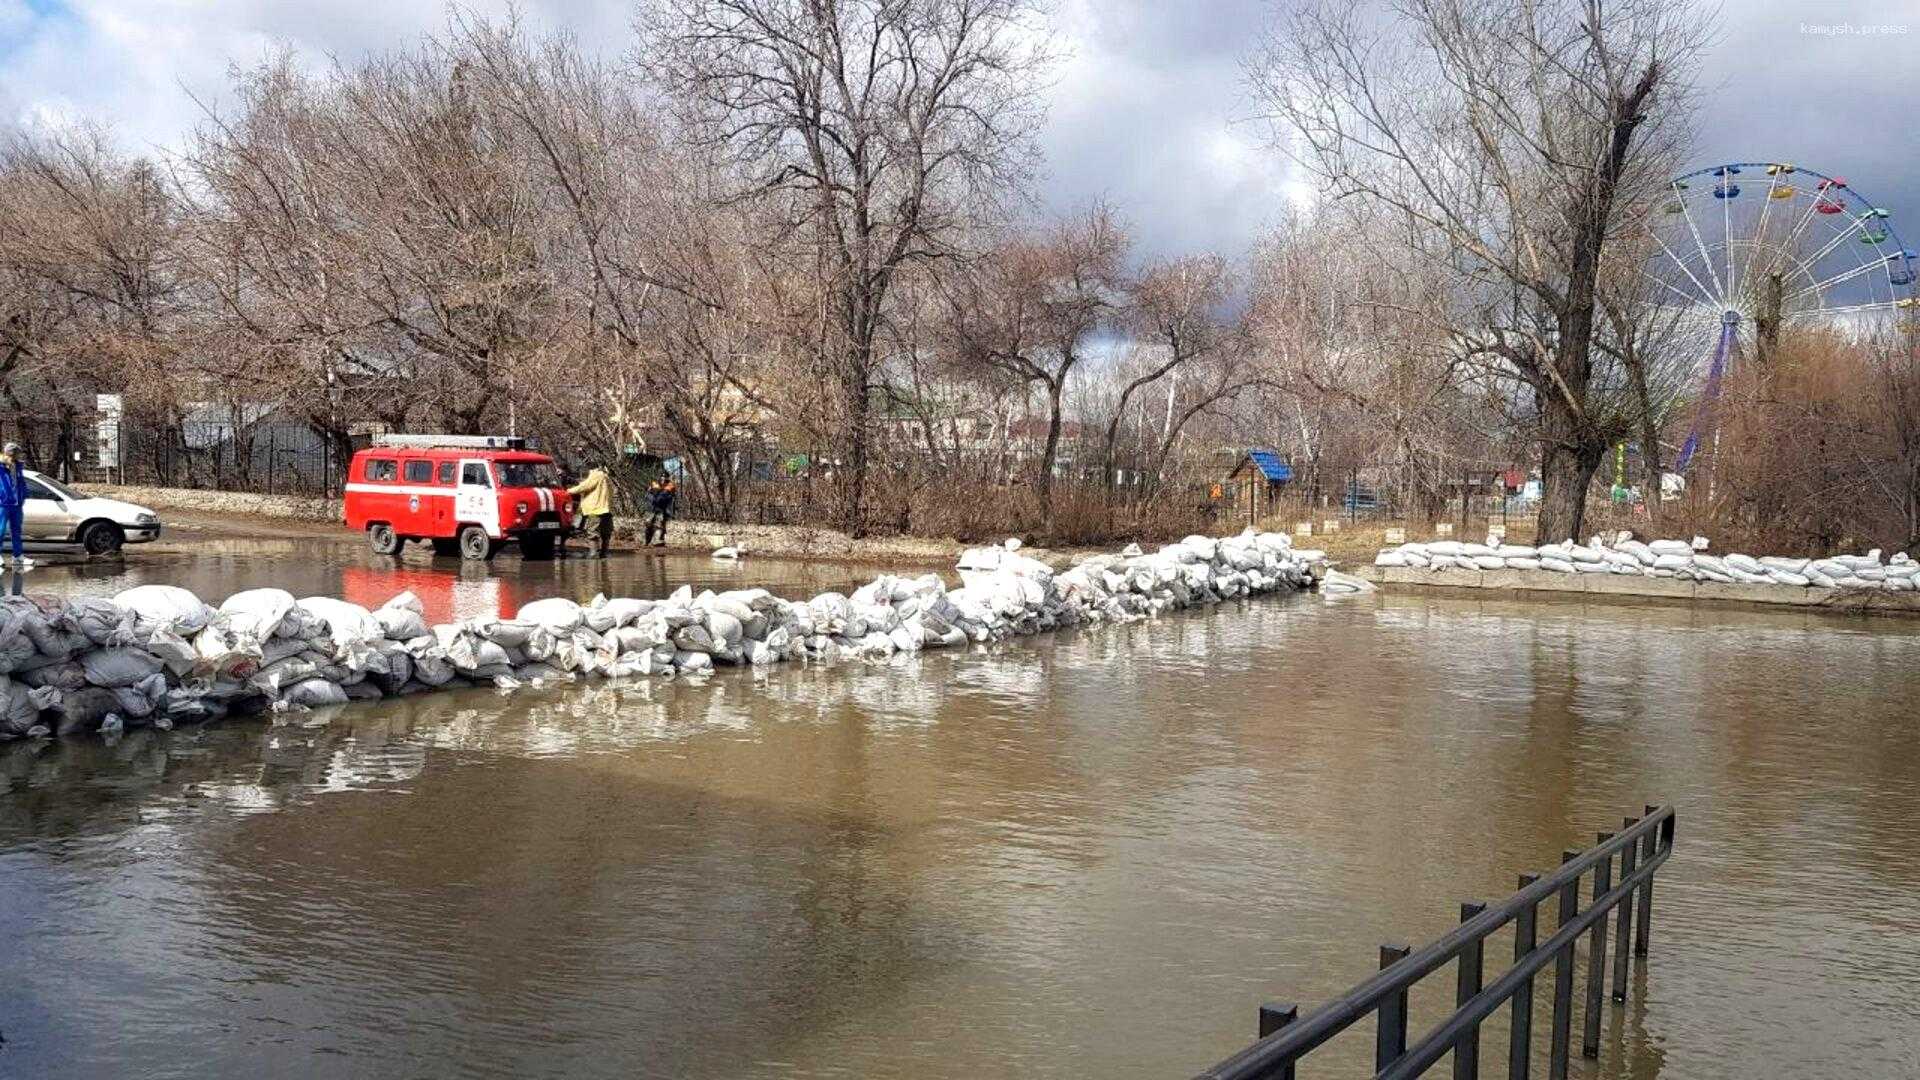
(1144,111)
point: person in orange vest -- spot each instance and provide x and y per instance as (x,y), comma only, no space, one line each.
(660,496)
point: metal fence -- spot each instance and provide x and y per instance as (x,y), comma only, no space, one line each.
(1641,847)
(273,455)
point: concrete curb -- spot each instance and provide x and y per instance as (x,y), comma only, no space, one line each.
(1629,587)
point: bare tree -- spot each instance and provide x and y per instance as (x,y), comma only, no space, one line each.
(1032,310)
(1517,142)
(1176,305)
(884,130)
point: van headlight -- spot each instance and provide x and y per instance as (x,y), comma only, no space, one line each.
(520,509)
(146,519)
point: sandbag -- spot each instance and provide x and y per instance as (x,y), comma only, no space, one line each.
(314,693)
(176,653)
(20,708)
(165,607)
(557,614)
(257,614)
(403,618)
(65,675)
(101,621)
(115,668)
(82,711)
(142,699)
(348,625)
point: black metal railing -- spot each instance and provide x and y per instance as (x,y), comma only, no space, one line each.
(1642,846)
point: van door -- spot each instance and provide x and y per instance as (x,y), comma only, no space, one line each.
(445,476)
(474,500)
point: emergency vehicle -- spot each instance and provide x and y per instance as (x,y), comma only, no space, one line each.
(464,494)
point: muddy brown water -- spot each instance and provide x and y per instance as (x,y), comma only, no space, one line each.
(1087,854)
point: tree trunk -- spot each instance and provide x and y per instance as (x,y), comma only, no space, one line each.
(853,509)
(1043,485)
(1649,435)
(1567,465)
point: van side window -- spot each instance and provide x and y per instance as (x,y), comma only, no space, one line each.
(382,469)
(419,472)
(446,472)
(474,473)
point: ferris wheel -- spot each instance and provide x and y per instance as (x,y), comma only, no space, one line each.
(1742,251)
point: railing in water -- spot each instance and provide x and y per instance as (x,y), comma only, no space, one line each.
(1642,846)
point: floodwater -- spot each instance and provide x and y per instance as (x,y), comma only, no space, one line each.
(1089,854)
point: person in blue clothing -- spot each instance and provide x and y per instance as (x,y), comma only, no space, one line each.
(13,497)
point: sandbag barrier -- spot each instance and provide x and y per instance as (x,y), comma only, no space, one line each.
(1679,559)
(158,655)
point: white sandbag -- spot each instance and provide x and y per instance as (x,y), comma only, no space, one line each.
(165,606)
(1390,558)
(402,618)
(348,625)
(1581,554)
(1746,564)
(256,613)
(1787,577)
(1489,562)
(560,615)
(1449,548)
(1593,568)
(1644,554)
(689,662)
(174,651)
(1673,562)
(1521,563)
(470,653)
(1791,566)
(1517,551)
(1670,547)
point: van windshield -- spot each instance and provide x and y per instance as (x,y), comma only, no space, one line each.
(518,474)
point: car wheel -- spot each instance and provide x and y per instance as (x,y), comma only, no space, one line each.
(382,540)
(101,538)
(475,544)
(446,547)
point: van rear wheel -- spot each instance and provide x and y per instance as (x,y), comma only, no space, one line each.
(475,544)
(382,540)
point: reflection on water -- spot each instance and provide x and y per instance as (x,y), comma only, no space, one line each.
(1090,854)
(450,588)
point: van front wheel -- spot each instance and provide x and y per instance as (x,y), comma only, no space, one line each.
(382,540)
(475,544)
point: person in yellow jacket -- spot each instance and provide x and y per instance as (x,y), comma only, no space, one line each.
(595,495)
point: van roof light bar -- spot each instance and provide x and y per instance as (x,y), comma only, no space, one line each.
(453,442)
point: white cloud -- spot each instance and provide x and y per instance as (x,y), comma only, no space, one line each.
(137,65)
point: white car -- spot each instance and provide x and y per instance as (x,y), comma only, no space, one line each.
(54,513)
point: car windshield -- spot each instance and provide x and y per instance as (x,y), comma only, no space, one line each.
(515,474)
(57,488)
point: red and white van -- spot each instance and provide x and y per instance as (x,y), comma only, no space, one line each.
(465,494)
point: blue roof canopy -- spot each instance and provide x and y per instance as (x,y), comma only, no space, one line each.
(1271,466)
